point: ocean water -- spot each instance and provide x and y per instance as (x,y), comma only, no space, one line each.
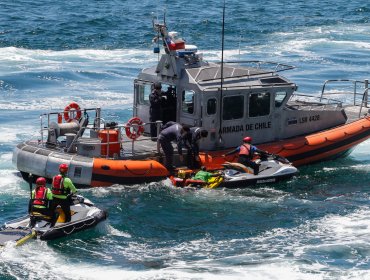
(315,226)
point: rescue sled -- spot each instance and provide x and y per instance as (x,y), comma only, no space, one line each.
(272,169)
(84,215)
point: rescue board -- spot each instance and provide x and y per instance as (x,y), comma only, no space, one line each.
(18,236)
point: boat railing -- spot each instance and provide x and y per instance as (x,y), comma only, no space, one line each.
(310,102)
(353,92)
(99,124)
(364,102)
(273,68)
(258,64)
(121,128)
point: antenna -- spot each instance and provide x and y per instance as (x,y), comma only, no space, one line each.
(156,38)
(240,39)
(157,9)
(222,72)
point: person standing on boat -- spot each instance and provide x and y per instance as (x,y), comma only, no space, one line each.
(155,99)
(174,133)
(192,141)
(169,105)
(63,189)
(246,152)
(40,202)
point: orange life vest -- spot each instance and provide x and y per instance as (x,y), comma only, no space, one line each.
(40,197)
(245,150)
(58,185)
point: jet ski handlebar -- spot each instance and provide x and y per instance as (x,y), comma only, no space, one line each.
(79,199)
(265,156)
(281,159)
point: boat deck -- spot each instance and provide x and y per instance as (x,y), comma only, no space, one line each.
(140,149)
(144,147)
(353,112)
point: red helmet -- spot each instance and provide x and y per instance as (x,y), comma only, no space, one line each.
(63,168)
(247,139)
(41,181)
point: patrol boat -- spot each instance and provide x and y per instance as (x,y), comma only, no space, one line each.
(230,100)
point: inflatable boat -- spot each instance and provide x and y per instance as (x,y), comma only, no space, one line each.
(84,215)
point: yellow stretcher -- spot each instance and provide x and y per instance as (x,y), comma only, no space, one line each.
(214,182)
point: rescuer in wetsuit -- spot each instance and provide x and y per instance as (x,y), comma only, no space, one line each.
(62,189)
(40,202)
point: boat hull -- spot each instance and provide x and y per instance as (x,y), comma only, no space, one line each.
(339,141)
(69,228)
(86,171)
(316,147)
(254,182)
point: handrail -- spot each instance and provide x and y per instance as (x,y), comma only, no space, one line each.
(364,100)
(276,69)
(354,82)
(261,62)
(330,101)
(364,95)
(93,127)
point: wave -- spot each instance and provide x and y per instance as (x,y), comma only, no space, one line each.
(312,250)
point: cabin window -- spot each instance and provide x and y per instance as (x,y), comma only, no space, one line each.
(78,171)
(233,107)
(188,101)
(279,98)
(211,106)
(144,91)
(259,104)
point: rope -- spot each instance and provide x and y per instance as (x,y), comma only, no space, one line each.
(78,228)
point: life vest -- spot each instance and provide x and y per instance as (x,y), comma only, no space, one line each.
(40,197)
(58,185)
(245,150)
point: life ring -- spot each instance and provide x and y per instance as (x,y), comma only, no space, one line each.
(134,128)
(72,112)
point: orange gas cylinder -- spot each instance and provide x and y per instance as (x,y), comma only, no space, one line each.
(109,136)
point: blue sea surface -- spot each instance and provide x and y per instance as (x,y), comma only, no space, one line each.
(315,226)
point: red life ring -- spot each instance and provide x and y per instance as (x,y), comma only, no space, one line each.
(134,128)
(72,112)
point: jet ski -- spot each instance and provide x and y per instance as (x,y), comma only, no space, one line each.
(272,169)
(83,215)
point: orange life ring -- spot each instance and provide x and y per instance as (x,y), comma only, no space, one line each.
(72,112)
(134,128)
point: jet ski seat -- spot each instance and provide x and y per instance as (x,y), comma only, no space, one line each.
(238,167)
(36,216)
